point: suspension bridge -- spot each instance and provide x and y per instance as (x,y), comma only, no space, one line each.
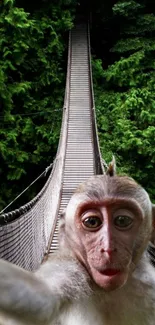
(30,233)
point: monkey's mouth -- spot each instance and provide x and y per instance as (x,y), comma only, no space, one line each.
(109,278)
(110,272)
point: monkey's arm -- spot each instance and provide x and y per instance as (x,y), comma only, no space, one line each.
(36,298)
(24,297)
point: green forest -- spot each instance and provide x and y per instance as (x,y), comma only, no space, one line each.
(33,63)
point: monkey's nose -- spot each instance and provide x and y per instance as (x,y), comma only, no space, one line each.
(108,251)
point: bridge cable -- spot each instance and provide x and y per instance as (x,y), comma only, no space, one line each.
(36,179)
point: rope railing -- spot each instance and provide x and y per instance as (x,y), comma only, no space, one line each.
(98,158)
(25,232)
(63,135)
(6,217)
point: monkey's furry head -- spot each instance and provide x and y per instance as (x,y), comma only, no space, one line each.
(99,187)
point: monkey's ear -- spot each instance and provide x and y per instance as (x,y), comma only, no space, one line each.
(111,170)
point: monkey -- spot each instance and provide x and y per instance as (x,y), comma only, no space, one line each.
(101,273)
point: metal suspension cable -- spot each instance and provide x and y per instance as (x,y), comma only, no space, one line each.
(36,179)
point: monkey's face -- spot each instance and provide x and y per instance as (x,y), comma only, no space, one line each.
(108,236)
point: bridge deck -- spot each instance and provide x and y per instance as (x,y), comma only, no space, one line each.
(79,160)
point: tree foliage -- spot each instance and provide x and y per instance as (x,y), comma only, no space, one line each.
(125,91)
(33,44)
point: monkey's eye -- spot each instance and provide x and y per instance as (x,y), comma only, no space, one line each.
(92,222)
(123,221)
